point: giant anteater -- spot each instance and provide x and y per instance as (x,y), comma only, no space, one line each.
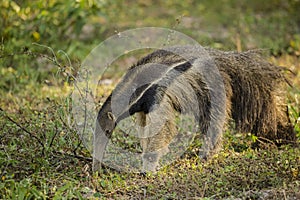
(250,92)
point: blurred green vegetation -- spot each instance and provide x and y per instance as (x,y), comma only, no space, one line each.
(75,26)
(41,157)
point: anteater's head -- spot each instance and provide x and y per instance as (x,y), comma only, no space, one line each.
(106,120)
(105,124)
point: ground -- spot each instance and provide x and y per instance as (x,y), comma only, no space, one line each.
(41,155)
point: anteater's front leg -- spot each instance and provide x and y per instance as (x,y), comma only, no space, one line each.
(155,140)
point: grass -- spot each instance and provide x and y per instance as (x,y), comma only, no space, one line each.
(41,155)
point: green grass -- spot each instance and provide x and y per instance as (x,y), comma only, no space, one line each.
(41,155)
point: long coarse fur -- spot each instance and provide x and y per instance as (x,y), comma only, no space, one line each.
(253,99)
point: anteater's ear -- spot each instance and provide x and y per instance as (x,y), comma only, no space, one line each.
(110,116)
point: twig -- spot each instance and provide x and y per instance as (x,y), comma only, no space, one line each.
(66,55)
(54,59)
(54,136)
(262,139)
(83,158)
(22,128)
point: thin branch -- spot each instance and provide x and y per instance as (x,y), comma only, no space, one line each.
(54,136)
(80,140)
(55,61)
(262,140)
(66,55)
(22,128)
(53,58)
(83,158)
(52,51)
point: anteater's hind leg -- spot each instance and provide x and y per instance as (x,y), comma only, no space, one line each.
(285,129)
(274,124)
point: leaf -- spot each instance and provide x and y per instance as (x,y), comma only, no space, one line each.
(15,6)
(36,36)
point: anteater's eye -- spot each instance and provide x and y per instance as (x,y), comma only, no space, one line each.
(110,116)
(107,133)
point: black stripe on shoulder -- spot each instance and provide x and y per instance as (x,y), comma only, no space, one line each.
(153,93)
